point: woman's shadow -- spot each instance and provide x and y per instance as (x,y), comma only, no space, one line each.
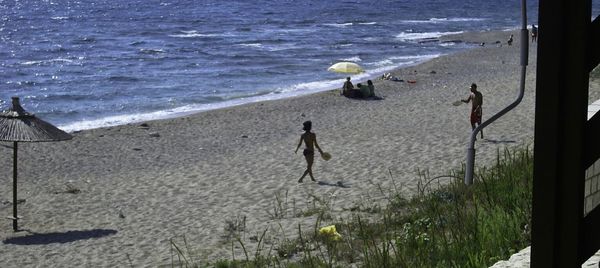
(340,184)
(58,237)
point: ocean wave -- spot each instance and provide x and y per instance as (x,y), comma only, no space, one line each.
(456,19)
(339,25)
(416,57)
(124,119)
(254,45)
(151,51)
(397,61)
(47,62)
(59,18)
(441,20)
(404,36)
(68,97)
(272,48)
(84,40)
(382,63)
(137,43)
(21,83)
(352,59)
(367,23)
(196,34)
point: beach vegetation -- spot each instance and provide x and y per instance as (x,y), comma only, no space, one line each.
(234,227)
(446,224)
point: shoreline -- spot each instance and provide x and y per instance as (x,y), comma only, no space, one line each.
(196,176)
(190,110)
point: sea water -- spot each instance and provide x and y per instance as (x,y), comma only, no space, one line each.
(93,63)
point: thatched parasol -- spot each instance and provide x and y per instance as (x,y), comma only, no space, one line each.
(17,125)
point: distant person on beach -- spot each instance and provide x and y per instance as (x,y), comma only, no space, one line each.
(347,87)
(371,88)
(476,98)
(534,33)
(389,76)
(310,141)
(510,40)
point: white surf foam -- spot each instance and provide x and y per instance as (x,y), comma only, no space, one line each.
(409,36)
(341,25)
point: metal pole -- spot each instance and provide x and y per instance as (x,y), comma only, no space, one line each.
(15,217)
(470,168)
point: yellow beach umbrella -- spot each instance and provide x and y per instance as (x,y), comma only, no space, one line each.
(346,68)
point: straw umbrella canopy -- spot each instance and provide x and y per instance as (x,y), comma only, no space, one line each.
(17,125)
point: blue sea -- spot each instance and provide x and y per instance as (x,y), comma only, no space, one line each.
(88,64)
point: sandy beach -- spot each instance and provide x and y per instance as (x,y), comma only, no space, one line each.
(196,176)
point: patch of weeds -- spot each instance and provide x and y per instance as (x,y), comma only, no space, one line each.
(280,206)
(234,227)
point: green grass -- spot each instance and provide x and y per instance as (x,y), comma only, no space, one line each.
(447,224)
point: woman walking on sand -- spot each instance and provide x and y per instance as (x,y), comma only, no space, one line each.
(310,141)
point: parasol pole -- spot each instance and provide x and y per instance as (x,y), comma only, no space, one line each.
(15,217)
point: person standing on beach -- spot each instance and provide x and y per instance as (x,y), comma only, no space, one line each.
(310,140)
(476,98)
(371,88)
(534,33)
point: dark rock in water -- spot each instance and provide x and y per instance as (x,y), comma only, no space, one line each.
(144,125)
(244,136)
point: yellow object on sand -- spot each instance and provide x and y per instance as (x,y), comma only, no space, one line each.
(331,232)
(326,156)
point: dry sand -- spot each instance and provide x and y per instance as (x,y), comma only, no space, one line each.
(201,176)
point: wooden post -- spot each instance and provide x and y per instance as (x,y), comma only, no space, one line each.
(15,215)
(560,119)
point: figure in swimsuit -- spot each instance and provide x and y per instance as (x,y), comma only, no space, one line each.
(310,141)
(476,111)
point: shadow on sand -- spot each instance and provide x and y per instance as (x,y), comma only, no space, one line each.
(340,184)
(375,98)
(498,141)
(52,238)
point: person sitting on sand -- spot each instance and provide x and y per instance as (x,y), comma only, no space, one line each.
(310,141)
(371,88)
(347,87)
(510,40)
(364,90)
(476,110)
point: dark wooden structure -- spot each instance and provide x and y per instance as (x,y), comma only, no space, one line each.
(17,125)
(566,142)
